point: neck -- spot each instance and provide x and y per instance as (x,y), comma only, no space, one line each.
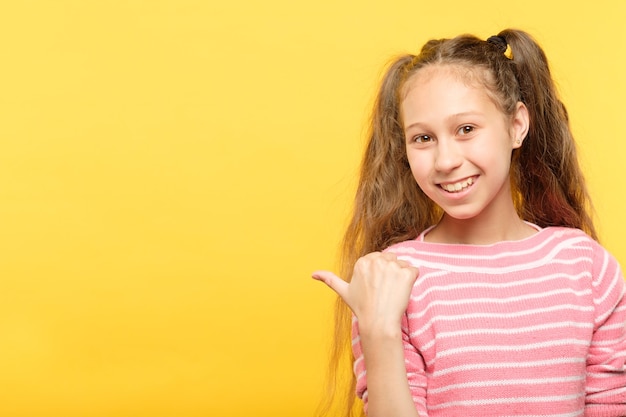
(505,225)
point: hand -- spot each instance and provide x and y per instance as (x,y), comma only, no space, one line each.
(379,291)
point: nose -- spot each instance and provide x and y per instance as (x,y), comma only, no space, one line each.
(448,155)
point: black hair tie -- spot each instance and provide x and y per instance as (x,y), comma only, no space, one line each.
(498,41)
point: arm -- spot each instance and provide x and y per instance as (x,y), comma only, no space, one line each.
(378,295)
(606,361)
(414,369)
(387,383)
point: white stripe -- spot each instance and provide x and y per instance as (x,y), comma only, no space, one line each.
(572,414)
(517,400)
(504,382)
(502,300)
(623,306)
(516,314)
(506,365)
(599,343)
(602,390)
(508,348)
(497,285)
(619,354)
(614,280)
(605,265)
(607,393)
(356,363)
(498,270)
(515,330)
(615,326)
(425,254)
(608,372)
(550,257)
(604,316)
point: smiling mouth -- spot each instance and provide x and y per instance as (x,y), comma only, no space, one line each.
(458,186)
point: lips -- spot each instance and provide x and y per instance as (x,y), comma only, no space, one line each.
(458,186)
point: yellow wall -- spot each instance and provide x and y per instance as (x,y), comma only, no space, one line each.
(171,171)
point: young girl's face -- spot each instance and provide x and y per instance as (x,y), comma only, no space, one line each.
(459,143)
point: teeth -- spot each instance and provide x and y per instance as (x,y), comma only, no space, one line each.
(453,188)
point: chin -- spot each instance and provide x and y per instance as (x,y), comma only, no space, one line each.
(461,214)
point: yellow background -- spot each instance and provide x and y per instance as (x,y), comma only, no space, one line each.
(171,171)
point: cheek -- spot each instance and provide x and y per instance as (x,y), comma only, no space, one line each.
(420,168)
(489,154)
(499,156)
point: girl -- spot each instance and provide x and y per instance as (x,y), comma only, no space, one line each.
(476,284)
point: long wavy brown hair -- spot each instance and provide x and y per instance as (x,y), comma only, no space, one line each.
(547,183)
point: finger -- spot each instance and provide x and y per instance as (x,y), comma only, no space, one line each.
(333,281)
(407,265)
(389,256)
(403,263)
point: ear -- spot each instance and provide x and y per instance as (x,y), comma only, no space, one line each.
(519,125)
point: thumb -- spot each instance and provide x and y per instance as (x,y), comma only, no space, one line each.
(333,281)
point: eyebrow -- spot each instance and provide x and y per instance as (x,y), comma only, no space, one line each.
(451,117)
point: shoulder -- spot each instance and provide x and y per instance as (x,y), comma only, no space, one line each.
(568,237)
(573,237)
(403,246)
(604,264)
(575,242)
(564,232)
(408,247)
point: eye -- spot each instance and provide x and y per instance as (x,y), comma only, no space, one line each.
(466,130)
(421,139)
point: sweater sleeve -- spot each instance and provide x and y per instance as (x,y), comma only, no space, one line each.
(415,370)
(414,367)
(606,361)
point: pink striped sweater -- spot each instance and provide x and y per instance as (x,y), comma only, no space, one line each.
(526,328)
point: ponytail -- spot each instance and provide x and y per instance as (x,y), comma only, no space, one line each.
(545,172)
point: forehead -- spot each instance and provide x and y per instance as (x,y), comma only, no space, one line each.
(443,89)
(470,77)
